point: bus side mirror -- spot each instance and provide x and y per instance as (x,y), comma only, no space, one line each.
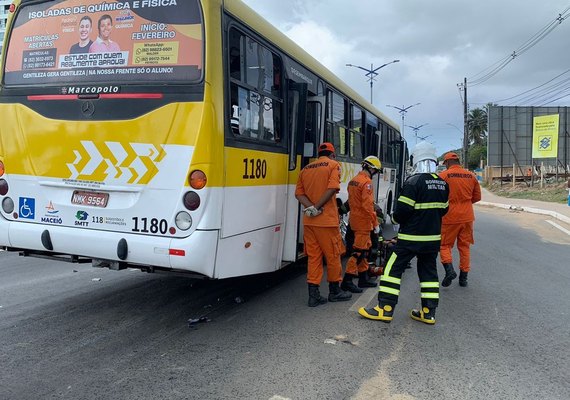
(411,161)
(309,150)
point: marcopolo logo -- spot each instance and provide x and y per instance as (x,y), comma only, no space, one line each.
(103,89)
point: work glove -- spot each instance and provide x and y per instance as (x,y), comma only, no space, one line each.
(312,211)
(377,229)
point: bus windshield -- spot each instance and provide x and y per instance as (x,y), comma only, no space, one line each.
(112,41)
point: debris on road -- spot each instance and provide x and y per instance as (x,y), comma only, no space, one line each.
(340,339)
(192,322)
(96,279)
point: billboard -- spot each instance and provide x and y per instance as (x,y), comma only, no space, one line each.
(545,136)
(112,41)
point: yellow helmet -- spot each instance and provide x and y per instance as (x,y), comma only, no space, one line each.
(372,162)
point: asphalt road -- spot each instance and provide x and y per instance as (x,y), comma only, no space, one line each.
(99,334)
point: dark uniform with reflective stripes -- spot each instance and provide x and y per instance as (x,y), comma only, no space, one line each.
(419,210)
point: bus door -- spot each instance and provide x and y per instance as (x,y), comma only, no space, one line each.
(373,146)
(314,133)
(296,118)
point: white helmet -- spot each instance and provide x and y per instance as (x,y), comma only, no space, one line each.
(424,158)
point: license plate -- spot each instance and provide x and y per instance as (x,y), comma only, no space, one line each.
(93,199)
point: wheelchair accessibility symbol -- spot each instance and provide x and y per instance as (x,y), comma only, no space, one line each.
(27,207)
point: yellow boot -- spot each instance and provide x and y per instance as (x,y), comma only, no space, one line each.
(425,315)
(384,313)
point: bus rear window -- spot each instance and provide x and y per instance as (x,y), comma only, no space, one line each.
(122,41)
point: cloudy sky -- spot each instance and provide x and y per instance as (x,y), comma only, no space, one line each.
(438,43)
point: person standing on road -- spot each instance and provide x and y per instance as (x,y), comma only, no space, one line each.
(362,220)
(419,210)
(316,190)
(464,191)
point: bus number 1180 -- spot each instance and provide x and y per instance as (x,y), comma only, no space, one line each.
(254,168)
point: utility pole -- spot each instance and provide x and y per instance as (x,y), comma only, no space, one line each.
(465,124)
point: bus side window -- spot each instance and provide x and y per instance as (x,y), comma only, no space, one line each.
(372,137)
(235,111)
(337,121)
(236,59)
(255,90)
(356,143)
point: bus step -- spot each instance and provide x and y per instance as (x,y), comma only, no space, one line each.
(55,256)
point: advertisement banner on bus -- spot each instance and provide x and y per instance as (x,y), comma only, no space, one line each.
(112,41)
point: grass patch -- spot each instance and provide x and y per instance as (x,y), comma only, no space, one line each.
(552,192)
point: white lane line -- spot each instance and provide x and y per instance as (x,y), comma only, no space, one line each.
(364,299)
(554,224)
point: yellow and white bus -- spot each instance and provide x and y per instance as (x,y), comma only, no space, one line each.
(169,135)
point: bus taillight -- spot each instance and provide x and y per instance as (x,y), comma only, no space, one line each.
(197,179)
(183,221)
(3,187)
(191,201)
(1,168)
(8,205)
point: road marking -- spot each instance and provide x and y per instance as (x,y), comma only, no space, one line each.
(364,299)
(554,224)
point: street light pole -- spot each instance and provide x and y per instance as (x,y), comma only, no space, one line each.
(424,137)
(403,110)
(371,74)
(416,129)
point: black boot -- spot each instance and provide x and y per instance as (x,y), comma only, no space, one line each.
(450,275)
(315,298)
(348,285)
(462,279)
(364,281)
(425,315)
(336,294)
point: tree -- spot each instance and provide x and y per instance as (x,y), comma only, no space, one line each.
(475,155)
(477,124)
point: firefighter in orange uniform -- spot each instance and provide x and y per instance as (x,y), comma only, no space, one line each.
(316,190)
(457,224)
(362,220)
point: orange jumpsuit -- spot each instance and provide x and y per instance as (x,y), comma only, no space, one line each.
(362,220)
(457,224)
(322,233)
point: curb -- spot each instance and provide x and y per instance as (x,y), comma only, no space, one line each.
(532,210)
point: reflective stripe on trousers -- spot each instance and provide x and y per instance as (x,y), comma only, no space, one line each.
(390,282)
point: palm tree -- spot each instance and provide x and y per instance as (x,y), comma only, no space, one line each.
(477,123)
